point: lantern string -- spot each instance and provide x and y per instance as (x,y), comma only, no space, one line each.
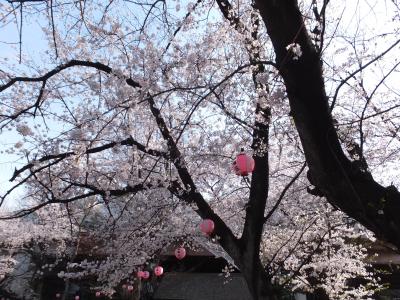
(246,180)
(170,180)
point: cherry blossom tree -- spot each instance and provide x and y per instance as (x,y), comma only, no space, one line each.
(139,108)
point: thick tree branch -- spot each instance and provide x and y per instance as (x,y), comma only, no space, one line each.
(259,186)
(256,275)
(227,240)
(344,184)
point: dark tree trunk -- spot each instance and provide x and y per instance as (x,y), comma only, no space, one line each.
(344,183)
(258,281)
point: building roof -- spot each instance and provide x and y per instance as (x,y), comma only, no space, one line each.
(202,286)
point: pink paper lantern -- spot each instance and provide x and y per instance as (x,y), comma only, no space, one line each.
(243,164)
(77,297)
(207,226)
(98,294)
(139,274)
(158,271)
(146,275)
(130,288)
(180,253)
(58,295)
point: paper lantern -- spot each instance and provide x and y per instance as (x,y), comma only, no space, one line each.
(207,226)
(243,164)
(124,286)
(139,274)
(77,297)
(130,288)
(158,271)
(98,294)
(180,253)
(146,275)
(58,295)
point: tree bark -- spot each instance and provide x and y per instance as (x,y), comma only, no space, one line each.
(343,182)
(257,279)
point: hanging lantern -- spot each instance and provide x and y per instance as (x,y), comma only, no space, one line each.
(130,288)
(158,271)
(243,164)
(146,275)
(58,295)
(98,294)
(180,253)
(77,297)
(139,274)
(124,286)
(207,226)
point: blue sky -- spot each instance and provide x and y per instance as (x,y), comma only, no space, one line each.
(33,43)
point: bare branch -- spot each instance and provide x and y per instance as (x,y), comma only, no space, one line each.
(283,193)
(127,142)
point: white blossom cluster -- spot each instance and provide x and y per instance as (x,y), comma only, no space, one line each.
(295,50)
